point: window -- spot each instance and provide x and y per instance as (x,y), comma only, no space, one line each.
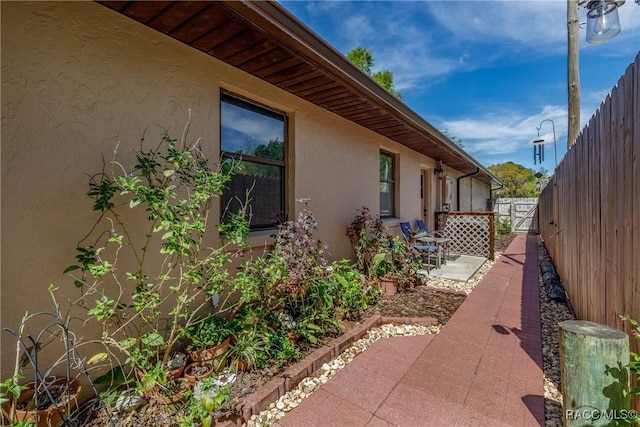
(255,137)
(387,185)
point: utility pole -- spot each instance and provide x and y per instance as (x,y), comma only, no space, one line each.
(573,69)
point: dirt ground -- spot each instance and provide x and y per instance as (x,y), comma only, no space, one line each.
(418,302)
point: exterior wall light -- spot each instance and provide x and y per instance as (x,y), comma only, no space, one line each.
(439,172)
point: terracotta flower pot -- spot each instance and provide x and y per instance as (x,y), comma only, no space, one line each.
(53,415)
(192,377)
(178,396)
(294,337)
(217,354)
(389,285)
(177,372)
(241,365)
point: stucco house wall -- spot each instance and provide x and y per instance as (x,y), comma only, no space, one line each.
(77,78)
(473,195)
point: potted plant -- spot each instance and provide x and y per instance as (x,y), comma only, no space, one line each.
(198,370)
(384,270)
(155,370)
(395,266)
(176,364)
(209,340)
(245,350)
(173,391)
(368,235)
(46,402)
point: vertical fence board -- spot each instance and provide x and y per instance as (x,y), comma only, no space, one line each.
(576,224)
(583,202)
(590,210)
(633,303)
(610,239)
(625,213)
(595,230)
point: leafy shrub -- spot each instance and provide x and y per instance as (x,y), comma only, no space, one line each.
(353,291)
(147,248)
(207,332)
(368,236)
(504,227)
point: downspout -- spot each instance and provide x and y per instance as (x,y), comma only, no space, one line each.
(458,184)
(491,190)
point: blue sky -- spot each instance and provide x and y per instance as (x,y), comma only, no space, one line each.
(487,71)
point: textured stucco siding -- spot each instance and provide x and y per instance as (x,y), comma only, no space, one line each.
(473,195)
(77,78)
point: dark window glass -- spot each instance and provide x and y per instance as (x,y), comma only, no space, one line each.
(254,136)
(387,185)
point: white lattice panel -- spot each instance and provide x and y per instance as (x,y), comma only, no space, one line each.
(470,234)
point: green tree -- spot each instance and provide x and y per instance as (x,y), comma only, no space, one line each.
(363,59)
(453,138)
(518,180)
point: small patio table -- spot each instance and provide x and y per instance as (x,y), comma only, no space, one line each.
(426,237)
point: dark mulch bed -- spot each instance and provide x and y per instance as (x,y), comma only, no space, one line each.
(418,302)
(502,241)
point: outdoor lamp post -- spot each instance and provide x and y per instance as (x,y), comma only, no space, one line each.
(603,24)
(539,140)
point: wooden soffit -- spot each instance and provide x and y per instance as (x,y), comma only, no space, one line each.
(263,39)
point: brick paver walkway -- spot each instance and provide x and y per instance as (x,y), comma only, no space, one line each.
(484,368)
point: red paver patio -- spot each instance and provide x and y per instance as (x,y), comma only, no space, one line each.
(484,368)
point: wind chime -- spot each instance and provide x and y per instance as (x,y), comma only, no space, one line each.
(538,150)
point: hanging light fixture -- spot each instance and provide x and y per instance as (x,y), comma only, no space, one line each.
(605,12)
(603,22)
(439,172)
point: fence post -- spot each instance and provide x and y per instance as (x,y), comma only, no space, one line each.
(512,214)
(492,236)
(595,384)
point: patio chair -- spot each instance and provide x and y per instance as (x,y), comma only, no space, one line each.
(426,246)
(422,227)
(441,237)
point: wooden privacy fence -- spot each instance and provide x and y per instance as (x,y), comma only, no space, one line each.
(471,233)
(522,213)
(590,210)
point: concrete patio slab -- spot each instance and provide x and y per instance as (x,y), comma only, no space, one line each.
(458,267)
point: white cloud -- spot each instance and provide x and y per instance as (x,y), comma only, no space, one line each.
(539,25)
(357,28)
(527,22)
(496,134)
